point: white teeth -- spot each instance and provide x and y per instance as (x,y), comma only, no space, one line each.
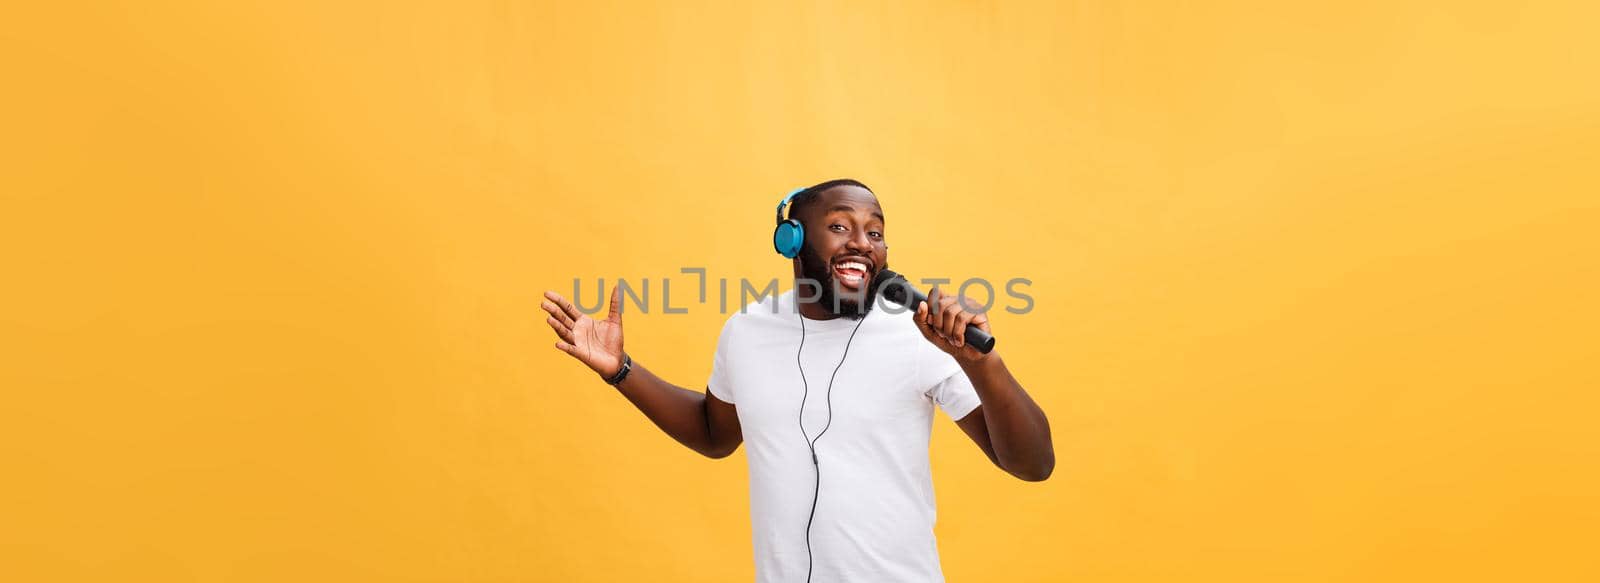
(851,272)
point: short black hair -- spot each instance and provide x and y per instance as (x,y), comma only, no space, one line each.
(810,194)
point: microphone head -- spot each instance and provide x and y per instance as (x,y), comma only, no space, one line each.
(893,286)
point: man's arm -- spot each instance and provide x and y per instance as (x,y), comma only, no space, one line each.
(1009,427)
(697,420)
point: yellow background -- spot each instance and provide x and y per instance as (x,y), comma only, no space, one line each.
(1315,285)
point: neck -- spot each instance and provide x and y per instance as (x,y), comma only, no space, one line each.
(814,310)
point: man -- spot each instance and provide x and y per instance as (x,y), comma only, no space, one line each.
(835,399)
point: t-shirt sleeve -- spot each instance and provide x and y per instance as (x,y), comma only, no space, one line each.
(951,389)
(721,382)
(956,396)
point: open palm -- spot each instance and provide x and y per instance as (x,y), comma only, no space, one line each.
(595,343)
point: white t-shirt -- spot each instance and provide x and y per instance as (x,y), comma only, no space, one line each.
(875,507)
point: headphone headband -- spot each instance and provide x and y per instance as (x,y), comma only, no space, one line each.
(786,199)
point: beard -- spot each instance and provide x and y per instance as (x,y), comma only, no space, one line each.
(850,304)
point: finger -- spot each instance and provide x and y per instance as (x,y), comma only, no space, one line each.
(936,316)
(975,314)
(556,313)
(981,320)
(922,323)
(980,316)
(566,306)
(921,317)
(937,307)
(616,305)
(567,348)
(949,312)
(961,328)
(561,329)
(967,304)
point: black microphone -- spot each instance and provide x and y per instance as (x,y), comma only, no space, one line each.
(895,288)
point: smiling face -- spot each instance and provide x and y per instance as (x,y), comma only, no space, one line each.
(844,249)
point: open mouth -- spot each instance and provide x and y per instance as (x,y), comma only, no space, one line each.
(851,273)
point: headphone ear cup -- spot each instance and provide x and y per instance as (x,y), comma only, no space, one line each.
(788,237)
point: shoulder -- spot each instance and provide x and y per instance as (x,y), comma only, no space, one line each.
(764,311)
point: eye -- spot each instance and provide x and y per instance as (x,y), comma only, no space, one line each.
(836,227)
(875,234)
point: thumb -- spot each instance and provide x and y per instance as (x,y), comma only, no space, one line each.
(616,305)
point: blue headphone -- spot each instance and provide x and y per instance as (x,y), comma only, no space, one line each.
(789,236)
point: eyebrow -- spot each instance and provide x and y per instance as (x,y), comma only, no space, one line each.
(851,209)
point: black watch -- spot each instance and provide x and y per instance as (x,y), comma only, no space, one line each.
(627,365)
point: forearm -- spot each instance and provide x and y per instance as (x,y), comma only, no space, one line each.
(1018,430)
(679,412)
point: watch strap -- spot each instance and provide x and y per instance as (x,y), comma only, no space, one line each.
(627,365)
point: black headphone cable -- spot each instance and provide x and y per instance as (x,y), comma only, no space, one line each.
(811,443)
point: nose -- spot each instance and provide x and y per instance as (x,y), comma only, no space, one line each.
(858,242)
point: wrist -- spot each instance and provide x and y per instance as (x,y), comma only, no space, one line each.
(623,368)
(980,362)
